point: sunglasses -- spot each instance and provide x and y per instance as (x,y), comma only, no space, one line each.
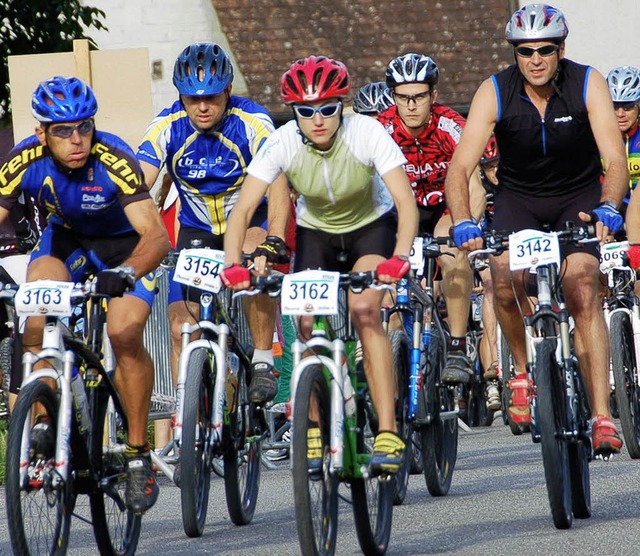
(527,51)
(65,131)
(626,106)
(419,99)
(307,112)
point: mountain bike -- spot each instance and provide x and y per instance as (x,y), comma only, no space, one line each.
(214,417)
(622,313)
(85,450)
(429,405)
(333,415)
(559,407)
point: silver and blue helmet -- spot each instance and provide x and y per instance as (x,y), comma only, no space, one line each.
(537,22)
(63,99)
(373,98)
(624,84)
(411,68)
(202,69)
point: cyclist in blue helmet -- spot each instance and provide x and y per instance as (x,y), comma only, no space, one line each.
(206,139)
(101,220)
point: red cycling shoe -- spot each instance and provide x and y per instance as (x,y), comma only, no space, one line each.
(519,411)
(605,437)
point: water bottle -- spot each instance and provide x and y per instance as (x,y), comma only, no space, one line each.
(80,402)
(233,366)
(349,392)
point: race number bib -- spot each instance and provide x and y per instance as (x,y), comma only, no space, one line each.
(532,248)
(200,268)
(44,297)
(416,257)
(611,255)
(311,292)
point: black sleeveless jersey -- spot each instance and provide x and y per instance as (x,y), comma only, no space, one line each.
(546,156)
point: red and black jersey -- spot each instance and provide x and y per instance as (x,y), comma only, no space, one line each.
(428,155)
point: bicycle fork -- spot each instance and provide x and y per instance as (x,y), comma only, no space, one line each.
(334,366)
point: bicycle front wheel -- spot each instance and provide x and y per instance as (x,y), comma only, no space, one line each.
(625,369)
(38,509)
(241,456)
(400,351)
(440,434)
(315,490)
(372,497)
(115,528)
(195,467)
(551,420)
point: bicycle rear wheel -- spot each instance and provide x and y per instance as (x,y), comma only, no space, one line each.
(38,512)
(551,420)
(195,467)
(372,497)
(315,491)
(241,456)
(115,528)
(400,351)
(440,434)
(625,369)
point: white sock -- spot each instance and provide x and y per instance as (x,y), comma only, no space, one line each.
(262,356)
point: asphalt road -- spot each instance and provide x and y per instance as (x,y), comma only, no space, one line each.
(497,505)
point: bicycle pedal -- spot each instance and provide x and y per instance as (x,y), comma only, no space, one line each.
(604,457)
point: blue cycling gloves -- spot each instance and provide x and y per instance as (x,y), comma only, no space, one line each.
(608,214)
(464,231)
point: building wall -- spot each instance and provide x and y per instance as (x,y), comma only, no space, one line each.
(165,28)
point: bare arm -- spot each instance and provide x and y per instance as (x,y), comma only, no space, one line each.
(154,242)
(398,184)
(477,195)
(150,173)
(608,138)
(279,207)
(632,222)
(480,123)
(251,194)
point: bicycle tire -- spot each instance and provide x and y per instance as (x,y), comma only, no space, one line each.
(439,436)
(625,368)
(39,514)
(242,455)
(315,493)
(6,364)
(195,464)
(116,529)
(400,353)
(373,526)
(417,463)
(551,418)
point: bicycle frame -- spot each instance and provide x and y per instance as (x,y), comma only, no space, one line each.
(218,349)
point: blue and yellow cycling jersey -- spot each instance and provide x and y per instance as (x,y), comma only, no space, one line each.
(632,144)
(89,200)
(209,167)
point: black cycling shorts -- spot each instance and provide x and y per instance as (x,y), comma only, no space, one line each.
(428,217)
(339,252)
(514,211)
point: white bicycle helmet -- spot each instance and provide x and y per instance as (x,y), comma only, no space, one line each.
(624,84)
(372,98)
(537,22)
(411,68)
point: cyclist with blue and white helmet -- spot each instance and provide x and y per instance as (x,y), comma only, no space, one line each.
(553,122)
(206,139)
(373,98)
(102,220)
(624,86)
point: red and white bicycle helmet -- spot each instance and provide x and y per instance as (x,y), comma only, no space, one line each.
(537,22)
(314,78)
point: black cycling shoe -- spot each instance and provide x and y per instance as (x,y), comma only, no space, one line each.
(458,369)
(43,440)
(264,384)
(142,488)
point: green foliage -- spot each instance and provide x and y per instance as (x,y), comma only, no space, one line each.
(38,27)
(4,432)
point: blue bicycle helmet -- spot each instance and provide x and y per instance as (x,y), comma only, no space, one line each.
(202,69)
(63,99)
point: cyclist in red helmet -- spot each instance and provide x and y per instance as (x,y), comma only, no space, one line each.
(348,174)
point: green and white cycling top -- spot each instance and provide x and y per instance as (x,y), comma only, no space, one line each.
(340,189)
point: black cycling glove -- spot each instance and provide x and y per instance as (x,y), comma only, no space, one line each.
(115,281)
(274,249)
(27,240)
